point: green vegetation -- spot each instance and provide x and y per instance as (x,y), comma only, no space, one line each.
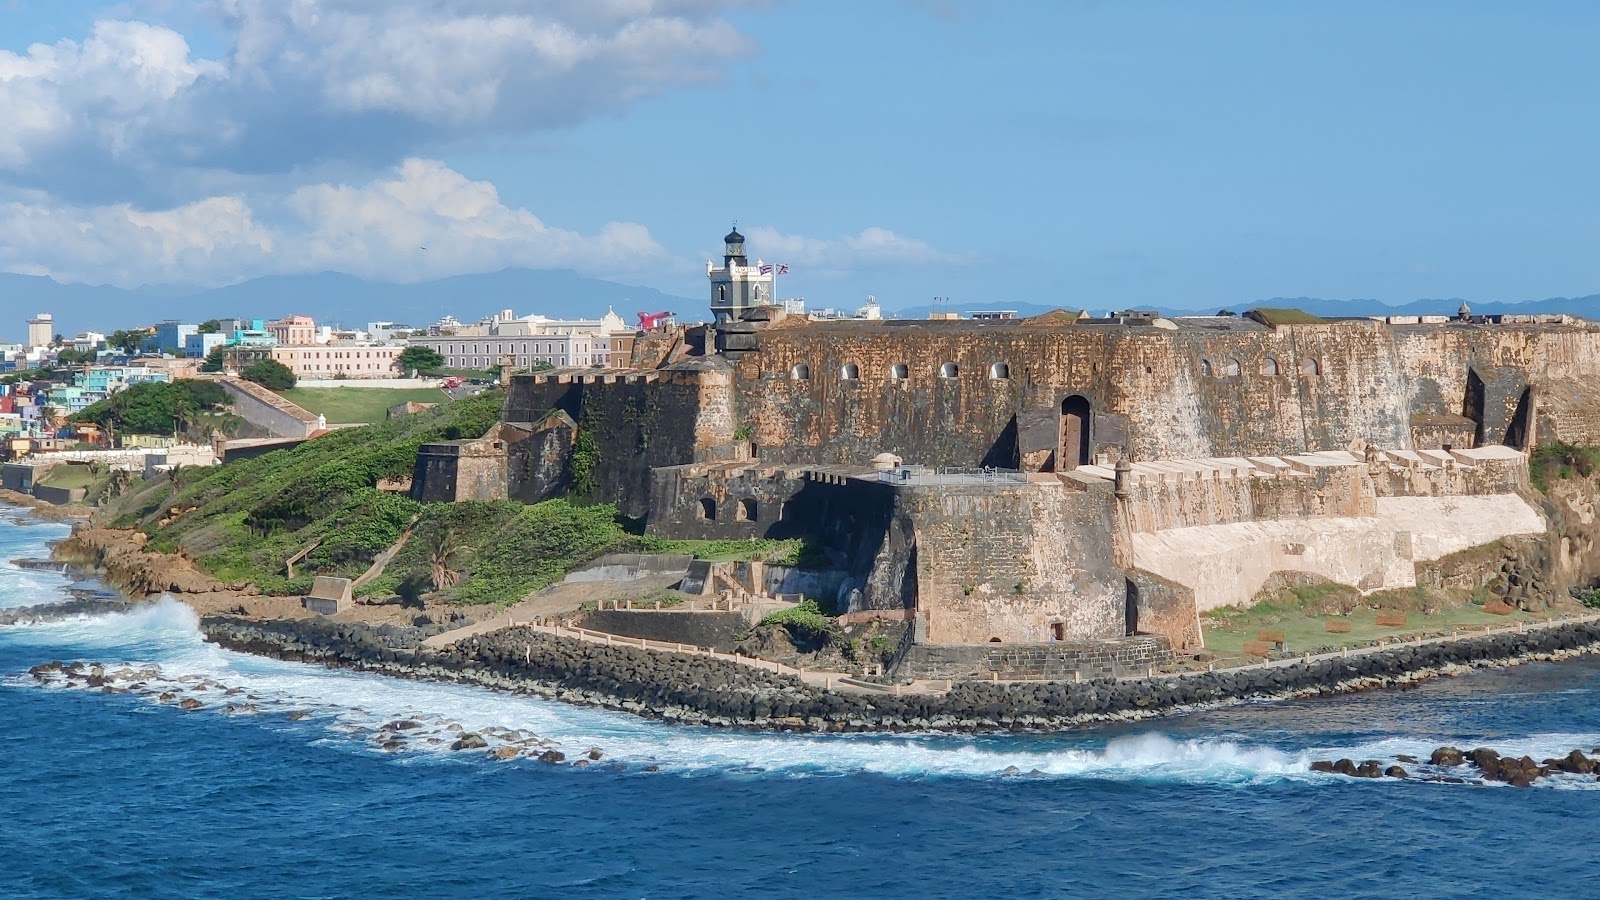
(1273,317)
(213,360)
(253,514)
(1589,597)
(129,341)
(358,405)
(585,456)
(1301,613)
(805,621)
(69,475)
(209,326)
(1561,462)
(157,407)
(422,359)
(241,521)
(270,374)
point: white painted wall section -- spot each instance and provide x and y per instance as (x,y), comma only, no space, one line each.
(1227,564)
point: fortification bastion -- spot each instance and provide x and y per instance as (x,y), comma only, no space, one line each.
(1063,479)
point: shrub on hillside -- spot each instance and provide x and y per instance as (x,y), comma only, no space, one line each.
(270,374)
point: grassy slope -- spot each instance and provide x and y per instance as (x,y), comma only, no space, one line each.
(347,405)
(242,520)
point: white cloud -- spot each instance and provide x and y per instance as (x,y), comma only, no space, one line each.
(872,246)
(375,230)
(110,91)
(304,82)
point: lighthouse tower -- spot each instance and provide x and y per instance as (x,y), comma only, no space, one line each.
(737,285)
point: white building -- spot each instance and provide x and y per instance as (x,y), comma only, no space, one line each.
(736,285)
(526,351)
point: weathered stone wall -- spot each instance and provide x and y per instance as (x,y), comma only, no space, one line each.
(635,421)
(1035,662)
(717,630)
(967,394)
(540,467)
(1018,562)
(1226,564)
(719,502)
(476,469)
(1164,608)
(1155,393)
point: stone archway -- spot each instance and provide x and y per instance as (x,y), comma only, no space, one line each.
(1077,420)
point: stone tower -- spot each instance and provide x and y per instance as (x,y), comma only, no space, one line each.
(737,285)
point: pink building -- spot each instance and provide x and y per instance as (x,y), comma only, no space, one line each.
(294,331)
(323,362)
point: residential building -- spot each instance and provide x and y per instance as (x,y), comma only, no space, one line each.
(253,333)
(199,346)
(384,332)
(88,340)
(321,362)
(171,336)
(556,350)
(41,329)
(530,341)
(294,331)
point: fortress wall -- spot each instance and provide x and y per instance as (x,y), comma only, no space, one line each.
(1227,564)
(635,423)
(1178,503)
(1560,362)
(924,418)
(1008,562)
(743,503)
(1334,384)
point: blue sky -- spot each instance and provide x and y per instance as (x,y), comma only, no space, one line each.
(1082,154)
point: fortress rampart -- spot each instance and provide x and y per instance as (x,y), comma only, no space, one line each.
(1154,469)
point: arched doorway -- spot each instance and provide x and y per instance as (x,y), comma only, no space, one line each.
(1076,421)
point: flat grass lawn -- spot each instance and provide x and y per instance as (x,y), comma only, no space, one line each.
(357,405)
(1303,632)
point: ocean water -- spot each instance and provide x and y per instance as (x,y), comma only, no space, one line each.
(290,793)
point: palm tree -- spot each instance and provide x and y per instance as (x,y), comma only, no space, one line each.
(445,551)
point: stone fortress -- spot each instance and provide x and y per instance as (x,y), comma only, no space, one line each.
(1083,485)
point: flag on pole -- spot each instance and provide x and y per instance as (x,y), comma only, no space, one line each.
(783,268)
(766,269)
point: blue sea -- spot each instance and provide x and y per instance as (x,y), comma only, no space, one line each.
(290,794)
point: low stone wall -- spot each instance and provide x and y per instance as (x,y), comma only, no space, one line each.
(702,690)
(58,495)
(1035,662)
(717,630)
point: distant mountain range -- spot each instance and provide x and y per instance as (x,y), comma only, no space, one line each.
(331,297)
(1587,307)
(335,298)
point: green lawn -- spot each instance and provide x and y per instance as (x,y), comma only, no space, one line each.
(356,405)
(1226,631)
(68,476)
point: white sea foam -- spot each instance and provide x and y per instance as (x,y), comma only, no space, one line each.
(343,704)
(347,709)
(21,587)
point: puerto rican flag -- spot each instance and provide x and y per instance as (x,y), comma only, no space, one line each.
(765,269)
(779,269)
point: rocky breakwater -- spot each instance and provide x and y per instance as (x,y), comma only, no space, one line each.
(1455,766)
(719,692)
(419,732)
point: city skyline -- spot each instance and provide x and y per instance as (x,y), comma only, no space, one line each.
(1073,153)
